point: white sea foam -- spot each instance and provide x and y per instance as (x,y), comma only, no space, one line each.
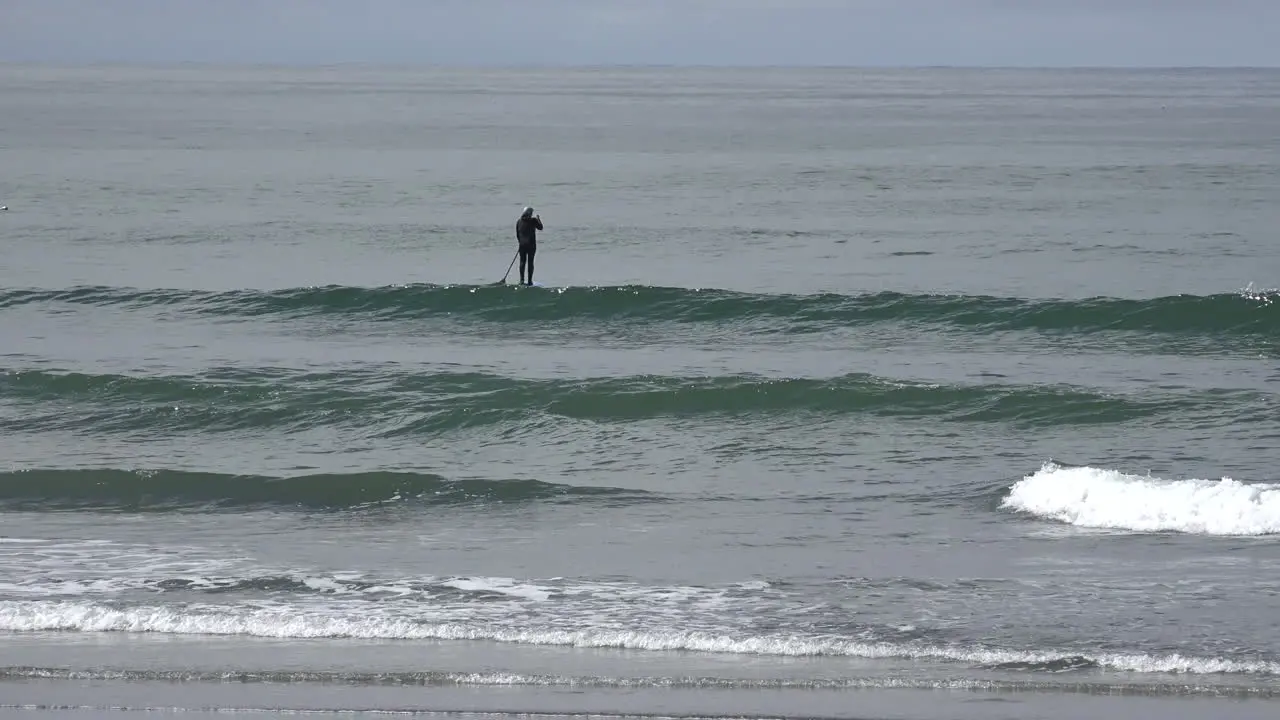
(1098,498)
(289,623)
(61,568)
(101,571)
(503,586)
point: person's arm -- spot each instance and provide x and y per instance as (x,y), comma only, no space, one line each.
(538,219)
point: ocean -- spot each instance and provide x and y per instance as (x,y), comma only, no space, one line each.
(847,393)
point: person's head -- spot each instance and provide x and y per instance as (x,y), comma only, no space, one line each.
(528,213)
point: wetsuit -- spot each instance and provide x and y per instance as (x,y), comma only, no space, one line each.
(527,236)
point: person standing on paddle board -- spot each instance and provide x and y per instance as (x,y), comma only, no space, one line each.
(527,228)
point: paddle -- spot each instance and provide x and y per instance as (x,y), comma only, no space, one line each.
(503,281)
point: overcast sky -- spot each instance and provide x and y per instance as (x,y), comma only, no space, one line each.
(647,32)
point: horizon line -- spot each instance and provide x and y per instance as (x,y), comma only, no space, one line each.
(316,65)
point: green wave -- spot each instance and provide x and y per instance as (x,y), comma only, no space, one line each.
(130,490)
(389,403)
(1233,314)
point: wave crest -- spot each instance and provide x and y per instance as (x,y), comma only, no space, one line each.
(155,490)
(1246,313)
(1099,498)
(395,404)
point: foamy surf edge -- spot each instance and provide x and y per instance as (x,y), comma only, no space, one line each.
(1100,498)
(1141,687)
(290,624)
